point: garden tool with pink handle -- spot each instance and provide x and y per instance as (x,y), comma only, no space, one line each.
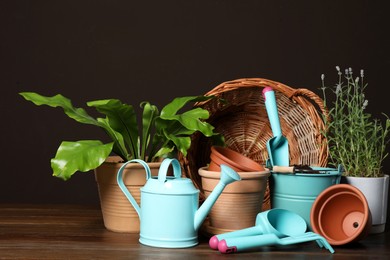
(280,222)
(239,244)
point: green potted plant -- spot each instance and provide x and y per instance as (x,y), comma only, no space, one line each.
(358,142)
(158,134)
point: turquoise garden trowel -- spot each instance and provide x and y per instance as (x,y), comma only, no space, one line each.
(272,227)
(239,244)
(277,146)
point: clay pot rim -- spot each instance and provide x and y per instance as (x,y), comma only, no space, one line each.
(218,151)
(365,178)
(324,198)
(117,160)
(244,175)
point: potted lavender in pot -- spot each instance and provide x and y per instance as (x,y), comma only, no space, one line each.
(358,141)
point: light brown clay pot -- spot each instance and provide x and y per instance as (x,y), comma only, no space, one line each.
(340,214)
(237,161)
(239,203)
(118,214)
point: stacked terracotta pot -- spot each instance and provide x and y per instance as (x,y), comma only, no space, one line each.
(240,202)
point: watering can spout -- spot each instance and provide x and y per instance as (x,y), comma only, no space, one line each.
(228,175)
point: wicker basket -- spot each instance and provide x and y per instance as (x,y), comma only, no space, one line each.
(239,114)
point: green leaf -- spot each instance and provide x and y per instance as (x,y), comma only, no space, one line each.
(171,126)
(178,139)
(78,114)
(164,151)
(175,105)
(81,156)
(119,144)
(150,113)
(192,119)
(182,143)
(174,130)
(123,119)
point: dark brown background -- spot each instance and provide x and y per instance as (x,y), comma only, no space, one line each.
(156,50)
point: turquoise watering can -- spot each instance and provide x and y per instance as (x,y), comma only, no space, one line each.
(169,213)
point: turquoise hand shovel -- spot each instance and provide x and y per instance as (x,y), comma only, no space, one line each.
(239,244)
(280,222)
(277,146)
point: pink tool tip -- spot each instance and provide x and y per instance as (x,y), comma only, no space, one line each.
(266,89)
(225,249)
(213,242)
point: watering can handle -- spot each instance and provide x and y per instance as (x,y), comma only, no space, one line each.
(162,172)
(144,164)
(122,186)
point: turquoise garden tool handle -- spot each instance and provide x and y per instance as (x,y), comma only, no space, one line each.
(122,186)
(238,244)
(272,111)
(277,146)
(251,231)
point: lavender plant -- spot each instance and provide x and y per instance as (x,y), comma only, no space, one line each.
(356,140)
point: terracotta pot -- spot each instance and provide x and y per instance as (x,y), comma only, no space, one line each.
(239,203)
(237,161)
(118,214)
(341,214)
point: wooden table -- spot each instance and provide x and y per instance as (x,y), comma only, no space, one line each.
(77,232)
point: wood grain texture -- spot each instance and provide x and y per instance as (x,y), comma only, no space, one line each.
(77,232)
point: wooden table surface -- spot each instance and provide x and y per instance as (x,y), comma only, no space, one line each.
(77,232)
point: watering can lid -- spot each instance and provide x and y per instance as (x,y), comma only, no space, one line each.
(171,186)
